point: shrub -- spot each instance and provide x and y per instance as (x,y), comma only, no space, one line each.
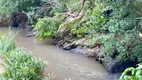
(132,73)
(122,39)
(92,21)
(126,45)
(9,6)
(96,19)
(46,27)
(6,43)
(77,29)
(21,65)
(72,5)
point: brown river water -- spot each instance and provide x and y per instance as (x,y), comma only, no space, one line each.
(63,64)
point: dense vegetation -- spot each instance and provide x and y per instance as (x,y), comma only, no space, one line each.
(6,43)
(117,22)
(18,63)
(132,73)
(114,25)
(8,7)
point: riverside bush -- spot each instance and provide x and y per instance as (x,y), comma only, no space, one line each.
(21,65)
(126,45)
(123,38)
(46,27)
(118,21)
(6,43)
(132,73)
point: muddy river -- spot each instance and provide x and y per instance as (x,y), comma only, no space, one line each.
(63,64)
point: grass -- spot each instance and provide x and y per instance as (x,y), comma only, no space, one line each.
(21,65)
(18,63)
(6,43)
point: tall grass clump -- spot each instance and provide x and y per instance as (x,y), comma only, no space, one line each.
(18,63)
(21,65)
(6,43)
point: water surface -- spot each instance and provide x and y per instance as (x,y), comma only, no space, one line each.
(64,64)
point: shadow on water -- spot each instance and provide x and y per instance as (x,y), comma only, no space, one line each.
(64,64)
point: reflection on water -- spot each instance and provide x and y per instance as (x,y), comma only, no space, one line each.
(63,64)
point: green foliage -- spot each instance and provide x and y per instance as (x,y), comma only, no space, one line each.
(9,6)
(119,23)
(91,23)
(120,27)
(46,8)
(6,43)
(95,19)
(123,39)
(59,7)
(96,39)
(77,29)
(132,73)
(72,5)
(21,65)
(46,27)
(18,63)
(125,45)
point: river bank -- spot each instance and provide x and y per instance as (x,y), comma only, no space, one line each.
(63,64)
